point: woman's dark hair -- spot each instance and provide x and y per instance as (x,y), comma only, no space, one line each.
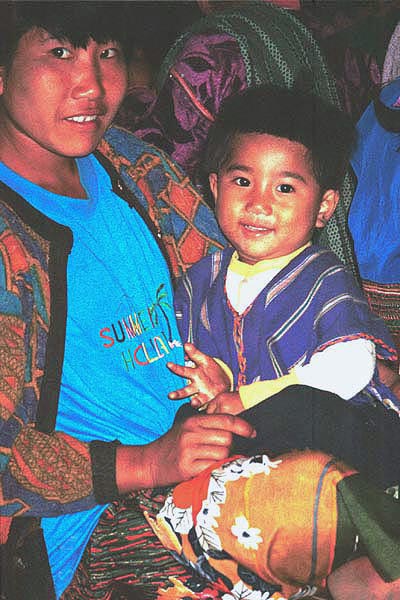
(326,132)
(76,21)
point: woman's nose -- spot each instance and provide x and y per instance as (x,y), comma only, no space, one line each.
(89,82)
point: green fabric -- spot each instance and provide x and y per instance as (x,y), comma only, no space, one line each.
(376,519)
(345,535)
(278,49)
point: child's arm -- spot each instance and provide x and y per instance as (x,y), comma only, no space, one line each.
(234,403)
(207,377)
(344,368)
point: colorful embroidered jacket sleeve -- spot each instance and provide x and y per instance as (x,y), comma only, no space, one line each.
(41,473)
(44,474)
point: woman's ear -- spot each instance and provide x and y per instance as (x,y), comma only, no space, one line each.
(213,181)
(327,207)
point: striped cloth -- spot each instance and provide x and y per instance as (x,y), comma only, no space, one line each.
(384,300)
(124,550)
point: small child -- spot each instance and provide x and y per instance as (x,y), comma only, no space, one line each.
(275,311)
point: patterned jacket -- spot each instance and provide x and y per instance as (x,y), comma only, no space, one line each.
(40,468)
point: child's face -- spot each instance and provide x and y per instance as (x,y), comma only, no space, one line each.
(267,198)
(59,99)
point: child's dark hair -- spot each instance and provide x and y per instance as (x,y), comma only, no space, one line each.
(323,129)
(75,21)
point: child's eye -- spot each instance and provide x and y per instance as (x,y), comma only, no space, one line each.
(285,188)
(61,52)
(109,53)
(242,181)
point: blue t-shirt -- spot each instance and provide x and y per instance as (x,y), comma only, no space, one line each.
(120,333)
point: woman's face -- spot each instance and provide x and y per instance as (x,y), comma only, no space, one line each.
(56,98)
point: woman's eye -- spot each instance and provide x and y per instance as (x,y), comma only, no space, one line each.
(60,52)
(285,188)
(242,181)
(109,53)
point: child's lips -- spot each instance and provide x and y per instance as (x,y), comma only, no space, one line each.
(261,229)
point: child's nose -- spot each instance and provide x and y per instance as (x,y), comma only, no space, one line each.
(260,202)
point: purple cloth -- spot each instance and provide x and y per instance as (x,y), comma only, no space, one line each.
(213,68)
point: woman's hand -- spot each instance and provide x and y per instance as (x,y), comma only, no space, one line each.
(181,453)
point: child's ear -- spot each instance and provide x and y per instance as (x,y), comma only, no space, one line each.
(213,181)
(327,207)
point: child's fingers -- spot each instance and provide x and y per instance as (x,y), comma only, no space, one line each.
(195,401)
(201,407)
(196,355)
(211,407)
(180,370)
(184,392)
(199,401)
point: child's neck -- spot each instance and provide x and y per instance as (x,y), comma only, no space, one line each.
(267,264)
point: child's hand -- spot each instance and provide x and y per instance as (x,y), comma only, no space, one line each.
(226,402)
(206,378)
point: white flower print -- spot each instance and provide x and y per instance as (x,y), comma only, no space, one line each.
(207,537)
(245,467)
(247,536)
(180,518)
(209,510)
(260,464)
(241,592)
